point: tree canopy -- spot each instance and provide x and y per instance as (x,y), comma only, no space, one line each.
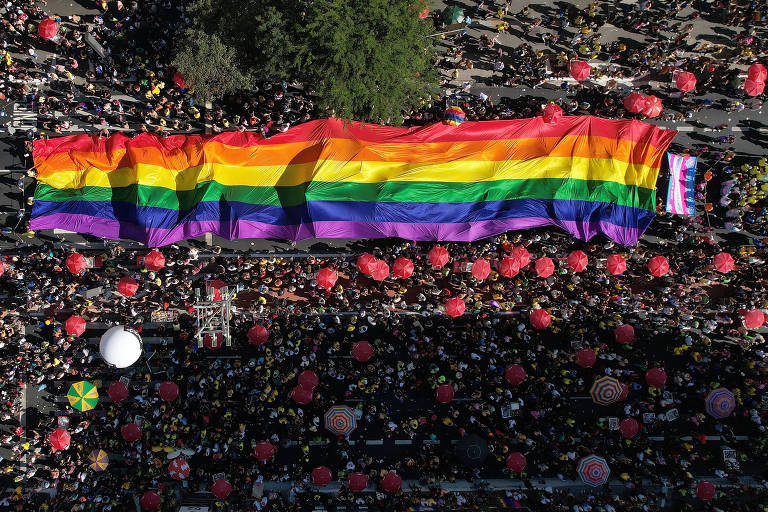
(365,59)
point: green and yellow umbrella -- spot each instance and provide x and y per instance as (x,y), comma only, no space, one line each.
(83,395)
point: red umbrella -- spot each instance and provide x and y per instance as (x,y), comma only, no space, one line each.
(2,268)
(444,393)
(754,319)
(540,319)
(178,77)
(586,358)
(515,374)
(178,469)
(75,325)
(321,476)
(258,335)
(221,488)
(130,432)
(522,255)
(624,392)
(208,341)
(723,262)
(705,490)
(76,263)
(127,286)
(686,81)
(545,267)
(362,350)
(634,102)
(302,394)
(653,106)
(757,72)
(580,70)
(117,391)
(264,451)
(357,482)
(168,391)
(455,307)
(150,501)
(552,113)
(326,278)
(402,268)
(59,439)
(578,261)
(438,256)
(154,261)
(379,270)
(629,427)
(509,267)
(391,482)
(308,379)
(364,263)
(516,462)
(616,264)
(481,269)
(48,29)
(753,87)
(656,377)
(624,334)
(658,266)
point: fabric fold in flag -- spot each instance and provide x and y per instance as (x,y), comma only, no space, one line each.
(331,179)
(682,176)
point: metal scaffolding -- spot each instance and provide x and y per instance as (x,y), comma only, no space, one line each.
(214,311)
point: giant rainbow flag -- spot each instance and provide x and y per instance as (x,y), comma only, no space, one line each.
(328,179)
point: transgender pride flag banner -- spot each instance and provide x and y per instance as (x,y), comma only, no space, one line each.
(682,171)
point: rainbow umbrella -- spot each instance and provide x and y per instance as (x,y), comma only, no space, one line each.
(99,460)
(454,116)
(83,395)
(720,403)
(340,420)
(593,470)
(605,390)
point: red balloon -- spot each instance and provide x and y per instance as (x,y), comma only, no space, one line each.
(444,393)
(362,351)
(509,267)
(455,307)
(364,263)
(117,391)
(391,482)
(552,113)
(131,432)
(180,80)
(75,325)
(264,451)
(308,379)
(705,490)
(586,358)
(686,81)
(321,476)
(634,102)
(616,264)
(48,29)
(221,488)
(402,268)
(629,427)
(516,462)
(208,341)
(723,262)
(578,261)
(76,263)
(658,266)
(545,267)
(127,286)
(757,72)
(150,501)
(379,270)
(438,256)
(624,334)
(515,374)
(580,70)
(522,255)
(656,377)
(653,106)
(258,335)
(59,439)
(753,87)
(168,391)
(302,394)
(154,261)
(481,269)
(326,278)
(540,319)
(754,319)
(357,482)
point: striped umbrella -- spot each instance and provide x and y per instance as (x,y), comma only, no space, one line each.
(340,420)
(454,116)
(593,470)
(605,390)
(99,460)
(720,403)
(83,395)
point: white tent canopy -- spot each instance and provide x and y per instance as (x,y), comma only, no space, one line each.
(120,347)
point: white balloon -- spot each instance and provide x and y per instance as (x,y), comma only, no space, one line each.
(120,347)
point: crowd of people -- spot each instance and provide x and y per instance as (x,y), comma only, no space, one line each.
(690,321)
